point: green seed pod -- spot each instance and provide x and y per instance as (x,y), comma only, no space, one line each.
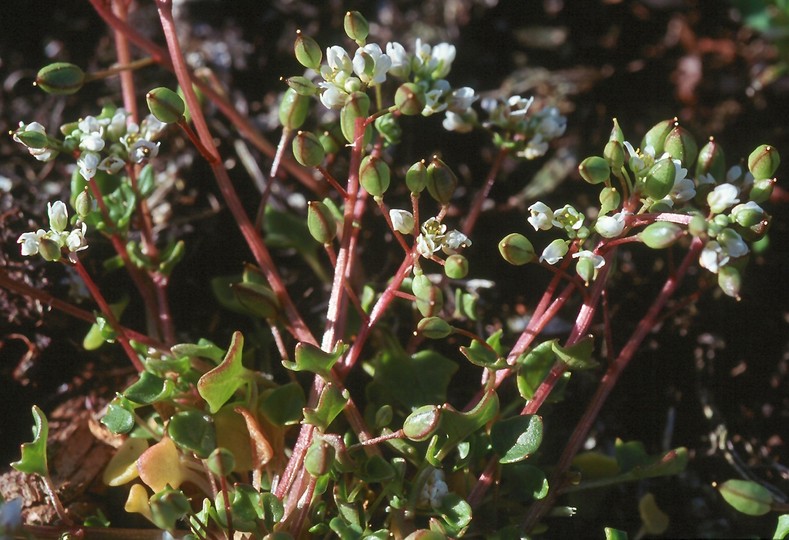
(82,204)
(456,266)
(307,149)
(441,181)
(656,136)
(609,200)
(32,139)
(681,145)
(585,269)
(660,234)
(357,106)
(434,328)
(660,206)
(747,214)
(730,281)
(595,170)
(319,458)
(410,99)
(374,176)
(416,177)
(166,105)
(761,190)
(420,285)
(321,222)
(332,139)
(388,126)
(516,249)
(660,179)
(616,133)
(763,162)
(49,249)
(431,303)
(293,109)
(356,26)
(614,153)
(697,226)
(221,462)
(711,161)
(308,52)
(60,78)
(302,85)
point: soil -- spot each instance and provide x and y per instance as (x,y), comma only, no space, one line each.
(712,378)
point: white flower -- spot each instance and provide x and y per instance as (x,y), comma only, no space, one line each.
(88,162)
(568,218)
(402,220)
(338,61)
(29,242)
(92,142)
(143,149)
(434,489)
(151,127)
(610,226)
(541,216)
(454,240)
(733,243)
(111,164)
(401,62)
(371,64)
(640,160)
(41,154)
(58,216)
(75,241)
(554,252)
(705,179)
(426,245)
(552,124)
(519,106)
(461,99)
(722,197)
(684,189)
(443,55)
(117,126)
(333,97)
(734,173)
(597,260)
(713,256)
(535,148)
(434,96)
(583,268)
(460,123)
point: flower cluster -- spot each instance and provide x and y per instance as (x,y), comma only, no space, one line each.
(106,142)
(433,236)
(51,243)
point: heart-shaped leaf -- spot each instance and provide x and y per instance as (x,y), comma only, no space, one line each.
(218,385)
(312,358)
(149,389)
(577,356)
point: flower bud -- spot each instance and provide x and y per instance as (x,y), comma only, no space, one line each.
(388,126)
(456,266)
(402,221)
(614,153)
(730,281)
(434,328)
(166,105)
(595,170)
(616,133)
(660,234)
(319,458)
(410,99)
(681,145)
(307,149)
(763,162)
(761,190)
(747,214)
(416,177)
(660,179)
(49,249)
(356,26)
(321,222)
(697,225)
(58,216)
(357,106)
(656,136)
(293,109)
(374,175)
(60,78)
(308,52)
(302,85)
(82,204)
(711,161)
(441,181)
(516,249)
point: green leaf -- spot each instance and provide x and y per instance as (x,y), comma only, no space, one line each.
(244,507)
(483,355)
(746,496)
(615,534)
(630,454)
(655,521)
(256,299)
(455,426)
(146,181)
(283,405)
(330,405)
(193,431)
(422,423)
(120,415)
(34,453)
(534,367)
(272,509)
(149,389)
(409,380)
(456,514)
(201,349)
(218,385)
(525,482)
(100,332)
(577,356)
(377,469)
(314,359)
(171,256)
(284,230)
(782,530)
(515,439)
(167,507)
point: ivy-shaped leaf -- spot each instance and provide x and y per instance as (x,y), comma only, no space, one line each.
(488,354)
(314,359)
(577,356)
(455,426)
(34,453)
(516,438)
(330,405)
(149,389)
(218,385)
(202,349)
(193,431)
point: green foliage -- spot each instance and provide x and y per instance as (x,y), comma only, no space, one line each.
(34,453)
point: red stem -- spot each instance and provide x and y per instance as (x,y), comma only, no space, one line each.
(482,195)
